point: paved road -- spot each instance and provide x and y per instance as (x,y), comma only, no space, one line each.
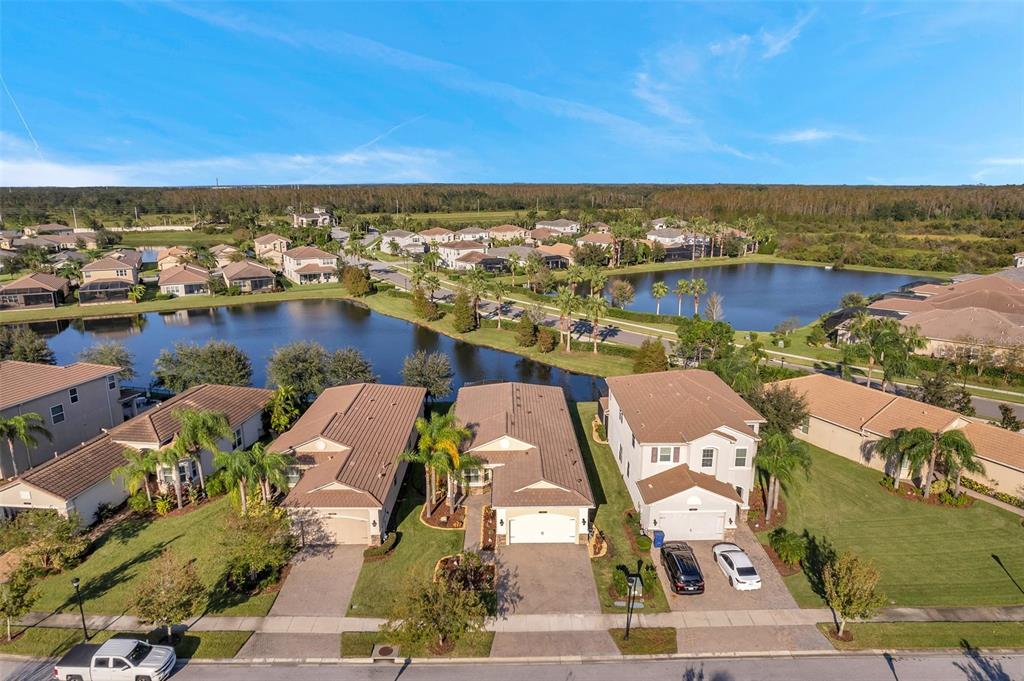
(937,667)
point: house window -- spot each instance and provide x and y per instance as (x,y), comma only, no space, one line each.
(633,439)
(627,469)
(293,474)
(620,416)
(121,273)
(805,425)
(236,441)
(707,458)
(57,413)
(183,470)
(664,454)
(73,395)
(111,382)
(741,457)
(620,452)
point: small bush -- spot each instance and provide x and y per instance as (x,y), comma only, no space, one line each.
(619,581)
(957,501)
(194,493)
(643,542)
(105,512)
(138,503)
(789,546)
(547,339)
(601,431)
(216,484)
(526,333)
(163,505)
(383,549)
(939,486)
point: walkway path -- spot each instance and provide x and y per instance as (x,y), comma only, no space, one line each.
(474,504)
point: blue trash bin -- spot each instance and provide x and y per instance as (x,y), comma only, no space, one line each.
(659,539)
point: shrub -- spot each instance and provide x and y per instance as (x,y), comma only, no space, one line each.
(382,549)
(939,486)
(163,505)
(526,333)
(789,546)
(194,494)
(216,484)
(138,503)
(643,542)
(957,501)
(601,431)
(619,581)
(547,339)
(105,512)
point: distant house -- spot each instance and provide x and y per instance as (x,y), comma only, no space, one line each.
(453,250)
(505,253)
(35,290)
(477,260)
(1018,259)
(348,448)
(120,265)
(670,236)
(249,276)
(437,235)
(471,234)
(64,257)
(76,402)
(599,239)
(49,228)
(185,280)
(556,255)
(7,238)
(507,233)
(406,242)
(543,234)
(224,254)
(666,223)
(173,257)
(561,225)
(309,265)
(685,443)
(66,241)
(271,246)
(320,217)
(24,242)
(600,227)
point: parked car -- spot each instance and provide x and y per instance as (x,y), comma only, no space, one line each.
(684,575)
(119,659)
(736,565)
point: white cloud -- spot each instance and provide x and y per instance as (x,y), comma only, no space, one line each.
(1003,161)
(777,43)
(735,45)
(808,135)
(1008,169)
(658,96)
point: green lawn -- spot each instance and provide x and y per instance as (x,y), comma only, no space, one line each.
(108,575)
(51,642)
(419,547)
(135,239)
(645,641)
(612,502)
(360,644)
(927,555)
(900,635)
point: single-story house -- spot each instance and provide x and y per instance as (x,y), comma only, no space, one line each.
(561,225)
(532,463)
(475,260)
(600,239)
(173,257)
(249,276)
(685,444)
(556,255)
(224,254)
(348,448)
(38,289)
(185,280)
(669,236)
(543,234)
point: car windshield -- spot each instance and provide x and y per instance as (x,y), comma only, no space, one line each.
(139,653)
(746,572)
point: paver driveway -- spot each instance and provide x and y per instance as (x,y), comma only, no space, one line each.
(545,578)
(718,595)
(320,582)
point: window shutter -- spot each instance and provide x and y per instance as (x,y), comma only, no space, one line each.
(654,455)
(675,455)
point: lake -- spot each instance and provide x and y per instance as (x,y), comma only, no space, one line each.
(260,327)
(757,296)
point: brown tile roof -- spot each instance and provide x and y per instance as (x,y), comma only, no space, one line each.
(476,257)
(184,274)
(222,248)
(173,252)
(898,304)
(843,403)
(505,229)
(24,381)
(600,238)
(246,269)
(559,249)
(550,472)
(968,323)
(463,245)
(77,469)
(313,268)
(305,252)
(159,425)
(436,231)
(680,406)
(679,479)
(107,264)
(542,233)
(37,280)
(269,238)
(996,444)
(902,412)
(371,424)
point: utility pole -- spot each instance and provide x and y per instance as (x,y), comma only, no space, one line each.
(74,217)
(136,213)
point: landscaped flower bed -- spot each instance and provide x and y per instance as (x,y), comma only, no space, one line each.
(941,494)
(489,529)
(443,519)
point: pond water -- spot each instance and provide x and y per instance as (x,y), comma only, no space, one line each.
(260,327)
(757,296)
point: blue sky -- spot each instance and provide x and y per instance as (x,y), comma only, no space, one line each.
(146,93)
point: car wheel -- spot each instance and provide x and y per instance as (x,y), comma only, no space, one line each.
(143,678)
(74,677)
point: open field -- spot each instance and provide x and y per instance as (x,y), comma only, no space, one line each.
(927,555)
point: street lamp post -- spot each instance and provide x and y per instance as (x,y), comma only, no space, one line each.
(76,582)
(635,582)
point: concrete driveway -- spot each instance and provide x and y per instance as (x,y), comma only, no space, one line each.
(320,582)
(552,644)
(545,578)
(718,595)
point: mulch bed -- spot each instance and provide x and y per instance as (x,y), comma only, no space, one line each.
(784,569)
(845,638)
(486,579)
(490,529)
(911,493)
(755,517)
(441,518)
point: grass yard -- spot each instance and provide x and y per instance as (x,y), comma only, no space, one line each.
(900,635)
(360,644)
(645,641)
(51,642)
(135,239)
(419,547)
(927,555)
(110,572)
(612,502)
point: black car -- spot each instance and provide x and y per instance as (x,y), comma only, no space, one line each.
(681,566)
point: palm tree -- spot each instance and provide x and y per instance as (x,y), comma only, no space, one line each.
(658,291)
(965,461)
(137,292)
(873,337)
(951,448)
(270,469)
(566,301)
(595,306)
(239,469)
(170,457)
(682,289)
(697,287)
(438,449)
(72,269)
(134,473)
(417,276)
(432,283)
(899,450)
(574,276)
(200,429)
(778,457)
(499,291)
(23,428)
(514,262)
(431,259)
(476,285)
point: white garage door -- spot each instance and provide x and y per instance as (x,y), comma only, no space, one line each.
(542,528)
(345,530)
(685,525)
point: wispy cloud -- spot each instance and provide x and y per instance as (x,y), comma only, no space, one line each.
(658,96)
(775,43)
(808,135)
(1006,168)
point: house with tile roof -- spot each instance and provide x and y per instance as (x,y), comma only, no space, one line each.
(532,463)
(562,225)
(347,447)
(38,289)
(309,265)
(225,254)
(685,444)
(271,247)
(849,419)
(78,479)
(437,235)
(174,256)
(249,276)
(185,280)
(507,233)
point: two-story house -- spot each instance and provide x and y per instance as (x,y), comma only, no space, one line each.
(75,402)
(437,235)
(401,241)
(309,265)
(271,247)
(175,256)
(225,254)
(561,225)
(507,233)
(110,278)
(453,250)
(320,217)
(685,444)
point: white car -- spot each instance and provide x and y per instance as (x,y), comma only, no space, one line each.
(737,567)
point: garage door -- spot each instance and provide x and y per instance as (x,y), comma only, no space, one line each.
(344,530)
(542,528)
(685,525)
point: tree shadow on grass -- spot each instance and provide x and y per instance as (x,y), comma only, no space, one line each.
(97,587)
(123,532)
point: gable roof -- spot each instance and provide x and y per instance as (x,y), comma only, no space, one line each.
(996,444)
(77,469)
(560,222)
(372,423)
(25,381)
(222,248)
(306,252)
(551,471)
(561,250)
(680,478)
(269,238)
(245,269)
(436,231)
(159,425)
(602,238)
(680,406)
(505,229)
(42,280)
(462,245)
(969,322)
(184,274)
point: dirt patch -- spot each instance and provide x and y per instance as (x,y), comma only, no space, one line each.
(784,569)
(442,519)
(756,517)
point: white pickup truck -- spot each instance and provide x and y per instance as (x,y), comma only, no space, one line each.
(119,659)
